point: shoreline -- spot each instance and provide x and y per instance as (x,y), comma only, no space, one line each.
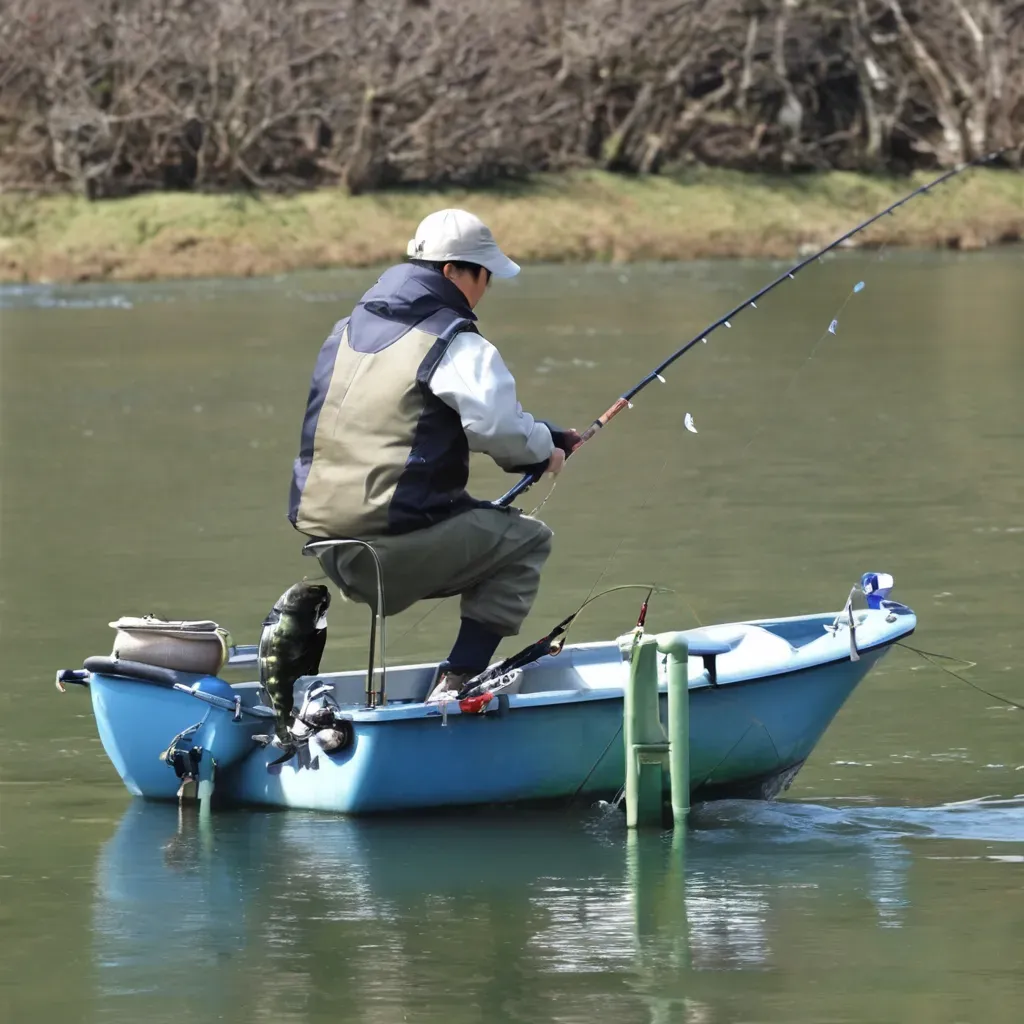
(569,218)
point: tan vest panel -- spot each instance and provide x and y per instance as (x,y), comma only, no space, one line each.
(363,438)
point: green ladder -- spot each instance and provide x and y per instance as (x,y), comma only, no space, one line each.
(650,752)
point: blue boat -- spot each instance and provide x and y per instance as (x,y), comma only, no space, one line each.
(762,693)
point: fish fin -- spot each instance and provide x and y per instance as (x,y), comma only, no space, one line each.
(286,755)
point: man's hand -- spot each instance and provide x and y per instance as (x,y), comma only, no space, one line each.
(572,439)
(566,440)
(556,462)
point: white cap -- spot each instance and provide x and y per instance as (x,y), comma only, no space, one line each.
(459,235)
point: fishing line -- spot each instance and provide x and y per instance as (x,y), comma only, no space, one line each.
(727,754)
(622,790)
(831,329)
(551,490)
(430,611)
(726,321)
(608,746)
(650,588)
(590,595)
(550,645)
(659,480)
(759,430)
(929,655)
(419,622)
(622,539)
(625,401)
(754,720)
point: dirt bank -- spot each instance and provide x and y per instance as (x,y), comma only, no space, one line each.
(587,216)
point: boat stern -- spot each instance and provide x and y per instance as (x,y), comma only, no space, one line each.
(161,728)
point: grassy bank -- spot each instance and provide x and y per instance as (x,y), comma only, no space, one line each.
(588,216)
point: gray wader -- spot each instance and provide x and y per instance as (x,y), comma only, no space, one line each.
(492,557)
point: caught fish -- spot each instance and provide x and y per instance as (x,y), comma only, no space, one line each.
(291,645)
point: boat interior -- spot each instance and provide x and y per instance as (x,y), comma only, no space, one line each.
(723,653)
(730,651)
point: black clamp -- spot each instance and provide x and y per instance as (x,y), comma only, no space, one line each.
(183,755)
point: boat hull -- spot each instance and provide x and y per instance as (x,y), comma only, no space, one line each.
(758,707)
(745,741)
(137,722)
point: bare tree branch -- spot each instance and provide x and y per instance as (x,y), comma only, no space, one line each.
(108,97)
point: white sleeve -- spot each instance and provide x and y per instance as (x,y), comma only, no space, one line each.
(473,380)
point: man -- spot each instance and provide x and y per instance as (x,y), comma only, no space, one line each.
(403,390)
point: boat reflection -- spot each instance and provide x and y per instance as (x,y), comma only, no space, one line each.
(265,906)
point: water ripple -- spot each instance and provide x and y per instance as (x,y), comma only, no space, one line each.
(985,819)
(48,297)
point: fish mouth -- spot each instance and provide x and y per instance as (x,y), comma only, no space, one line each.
(314,598)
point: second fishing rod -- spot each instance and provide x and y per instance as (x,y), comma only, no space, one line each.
(625,401)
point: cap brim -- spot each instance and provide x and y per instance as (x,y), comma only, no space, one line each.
(493,259)
(500,265)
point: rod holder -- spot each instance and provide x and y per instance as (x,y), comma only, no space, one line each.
(650,752)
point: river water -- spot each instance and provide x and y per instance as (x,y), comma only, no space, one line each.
(147,438)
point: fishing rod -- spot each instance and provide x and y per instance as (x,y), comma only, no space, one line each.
(625,401)
(551,643)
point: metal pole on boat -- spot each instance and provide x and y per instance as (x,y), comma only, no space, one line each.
(677,648)
(645,739)
(649,753)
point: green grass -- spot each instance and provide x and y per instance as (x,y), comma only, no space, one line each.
(578,217)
